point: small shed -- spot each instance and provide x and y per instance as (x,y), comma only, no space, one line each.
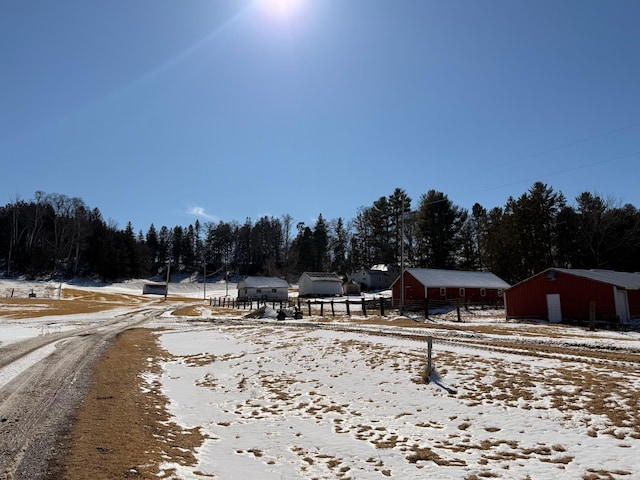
(421,284)
(556,294)
(263,288)
(154,288)
(319,284)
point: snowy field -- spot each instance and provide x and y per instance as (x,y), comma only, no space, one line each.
(341,399)
(284,402)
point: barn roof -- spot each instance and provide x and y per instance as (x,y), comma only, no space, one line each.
(630,281)
(323,276)
(265,282)
(456,278)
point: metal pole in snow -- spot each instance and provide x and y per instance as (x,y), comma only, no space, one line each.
(429,348)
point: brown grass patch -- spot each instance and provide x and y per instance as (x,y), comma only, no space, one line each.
(421,454)
(197,309)
(39,307)
(120,431)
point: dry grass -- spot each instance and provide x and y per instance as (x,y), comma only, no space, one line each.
(33,307)
(72,302)
(122,429)
(197,309)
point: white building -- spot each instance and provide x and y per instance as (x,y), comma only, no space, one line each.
(263,288)
(319,284)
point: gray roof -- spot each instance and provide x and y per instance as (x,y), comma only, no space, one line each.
(323,276)
(456,278)
(630,281)
(264,282)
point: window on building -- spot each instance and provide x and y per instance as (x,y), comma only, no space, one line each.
(443,292)
(461,291)
(483,292)
(258,290)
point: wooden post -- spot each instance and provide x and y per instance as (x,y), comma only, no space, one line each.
(458,309)
(322,309)
(382,306)
(309,304)
(298,303)
(348,309)
(364,308)
(592,315)
(333,312)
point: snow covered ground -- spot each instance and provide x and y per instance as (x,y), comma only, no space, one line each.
(287,402)
(339,399)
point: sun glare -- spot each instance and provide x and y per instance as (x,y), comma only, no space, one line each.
(282,9)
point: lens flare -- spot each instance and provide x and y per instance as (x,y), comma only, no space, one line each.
(282,9)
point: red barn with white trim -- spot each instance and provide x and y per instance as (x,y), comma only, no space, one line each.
(561,293)
(422,284)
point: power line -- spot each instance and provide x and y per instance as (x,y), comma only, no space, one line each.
(578,167)
(560,147)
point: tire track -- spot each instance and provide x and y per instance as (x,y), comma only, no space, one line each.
(37,405)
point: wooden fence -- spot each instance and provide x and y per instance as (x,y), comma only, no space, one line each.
(312,306)
(454,309)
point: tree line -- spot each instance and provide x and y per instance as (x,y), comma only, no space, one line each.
(57,235)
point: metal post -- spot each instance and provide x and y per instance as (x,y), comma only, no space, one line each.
(429,348)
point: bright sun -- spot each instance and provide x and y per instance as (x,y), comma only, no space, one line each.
(281,8)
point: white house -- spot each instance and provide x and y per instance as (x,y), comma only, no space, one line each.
(380,277)
(320,284)
(263,288)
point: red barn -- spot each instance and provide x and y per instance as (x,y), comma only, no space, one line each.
(561,293)
(469,287)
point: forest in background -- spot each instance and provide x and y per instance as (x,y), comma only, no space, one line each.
(56,236)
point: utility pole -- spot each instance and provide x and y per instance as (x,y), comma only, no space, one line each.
(166,290)
(402,260)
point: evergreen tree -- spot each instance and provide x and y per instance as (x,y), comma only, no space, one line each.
(320,250)
(439,222)
(339,244)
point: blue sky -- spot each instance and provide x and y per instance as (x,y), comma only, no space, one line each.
(165,111)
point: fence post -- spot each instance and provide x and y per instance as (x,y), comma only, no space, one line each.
(458,309)
(309,305)
(348,309)
(333,312)
(426,308)
(364,308)
(382,306)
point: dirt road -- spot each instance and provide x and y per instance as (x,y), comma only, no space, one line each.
(37,405)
